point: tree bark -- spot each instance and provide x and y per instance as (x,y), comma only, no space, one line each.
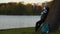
(53,18)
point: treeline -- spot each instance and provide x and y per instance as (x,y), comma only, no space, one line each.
(13,8)
(19,9)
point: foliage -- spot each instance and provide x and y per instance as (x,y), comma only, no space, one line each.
(18,9)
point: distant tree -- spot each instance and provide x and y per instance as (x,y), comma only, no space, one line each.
(29,9)
(12,8)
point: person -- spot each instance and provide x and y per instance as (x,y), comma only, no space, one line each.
(44,14)
(45,28)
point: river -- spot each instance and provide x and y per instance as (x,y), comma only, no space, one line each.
(9,21)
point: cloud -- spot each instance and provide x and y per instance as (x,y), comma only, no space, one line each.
(26,1)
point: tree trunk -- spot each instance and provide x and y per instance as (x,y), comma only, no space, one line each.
(53,18)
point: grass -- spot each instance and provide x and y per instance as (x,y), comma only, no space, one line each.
(24,31)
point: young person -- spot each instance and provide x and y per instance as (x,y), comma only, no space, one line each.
(44,14)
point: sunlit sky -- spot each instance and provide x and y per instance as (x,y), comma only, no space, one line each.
(25,1)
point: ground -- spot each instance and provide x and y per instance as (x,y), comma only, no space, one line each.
(29,30)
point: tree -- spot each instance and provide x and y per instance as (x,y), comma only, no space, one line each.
(53,18)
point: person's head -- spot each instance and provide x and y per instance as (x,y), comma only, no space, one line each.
(45,6)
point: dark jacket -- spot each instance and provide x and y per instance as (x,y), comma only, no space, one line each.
(44,13)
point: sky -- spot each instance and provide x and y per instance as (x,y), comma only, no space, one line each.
(25,1)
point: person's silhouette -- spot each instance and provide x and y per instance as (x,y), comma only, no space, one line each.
(44,14)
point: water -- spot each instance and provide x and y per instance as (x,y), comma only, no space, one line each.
(7,22)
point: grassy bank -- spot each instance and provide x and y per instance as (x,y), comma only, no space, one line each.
(24,31)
